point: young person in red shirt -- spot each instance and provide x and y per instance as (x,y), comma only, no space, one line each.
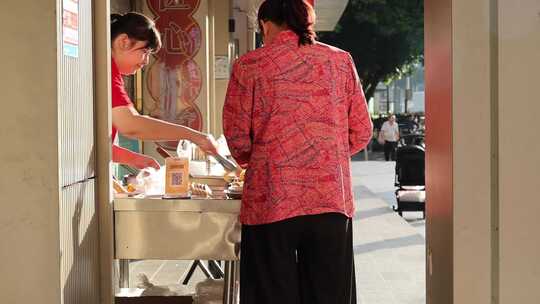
(134,38)
(293,115)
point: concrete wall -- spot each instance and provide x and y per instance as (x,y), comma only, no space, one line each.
(48,224)
(474,175)
(102,95)
(121,6)
(29,183)
(496,59)
(492,182)
(220,49)
(519,150)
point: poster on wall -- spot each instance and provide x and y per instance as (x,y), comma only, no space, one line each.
(221,67)
(70,27)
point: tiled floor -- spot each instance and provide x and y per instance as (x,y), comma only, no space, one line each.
(389,251)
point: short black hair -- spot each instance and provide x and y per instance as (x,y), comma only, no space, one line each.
(136,26)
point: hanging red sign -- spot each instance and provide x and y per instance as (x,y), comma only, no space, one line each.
(174,80)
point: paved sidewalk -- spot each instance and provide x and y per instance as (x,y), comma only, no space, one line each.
(389,251)
(377,177)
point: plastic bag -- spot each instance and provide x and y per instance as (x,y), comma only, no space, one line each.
(184,149)
(151,181)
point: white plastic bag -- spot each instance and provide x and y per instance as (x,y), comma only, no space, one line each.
(184,149)
(151,181)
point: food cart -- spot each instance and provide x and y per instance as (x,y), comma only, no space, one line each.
(179,229)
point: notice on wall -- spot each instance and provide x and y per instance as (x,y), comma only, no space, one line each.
(221,67)
(70,27)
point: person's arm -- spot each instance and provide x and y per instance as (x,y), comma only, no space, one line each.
(360,125)
(237,115)
(131,124)
(133,159)
(397,132)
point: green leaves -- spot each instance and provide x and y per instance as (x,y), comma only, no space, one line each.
(384,37)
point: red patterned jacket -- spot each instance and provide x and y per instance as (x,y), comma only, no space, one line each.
(294,116)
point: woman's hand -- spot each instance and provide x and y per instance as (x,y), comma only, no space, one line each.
(207,143)
(136,160)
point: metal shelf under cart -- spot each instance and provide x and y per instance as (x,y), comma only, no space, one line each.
(204,229)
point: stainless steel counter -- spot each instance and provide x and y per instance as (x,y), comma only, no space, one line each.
(179,229)
(176,229)
(160,204)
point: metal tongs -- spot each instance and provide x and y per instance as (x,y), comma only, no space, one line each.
(222,160)
(227,164)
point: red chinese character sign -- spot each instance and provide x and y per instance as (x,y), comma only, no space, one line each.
(174,80)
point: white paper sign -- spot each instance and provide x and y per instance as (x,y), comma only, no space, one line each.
(70,27)
(222,70)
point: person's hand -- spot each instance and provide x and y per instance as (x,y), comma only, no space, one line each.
(144,161)
(207,143)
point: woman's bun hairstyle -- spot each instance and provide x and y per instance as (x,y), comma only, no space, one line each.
(297,15)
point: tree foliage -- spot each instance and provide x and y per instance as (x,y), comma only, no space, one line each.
(384,37)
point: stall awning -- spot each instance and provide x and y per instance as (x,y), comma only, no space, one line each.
(328,11)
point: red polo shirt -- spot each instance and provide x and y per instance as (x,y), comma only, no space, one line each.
(119,95)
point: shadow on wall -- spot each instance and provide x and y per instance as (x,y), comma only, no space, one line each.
(83,279)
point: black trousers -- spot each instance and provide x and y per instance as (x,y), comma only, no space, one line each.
(302,260)
(390,148)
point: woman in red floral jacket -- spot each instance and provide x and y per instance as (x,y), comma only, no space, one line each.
(294,114)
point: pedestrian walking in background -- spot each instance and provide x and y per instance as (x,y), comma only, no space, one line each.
(390,135)
(294,114)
